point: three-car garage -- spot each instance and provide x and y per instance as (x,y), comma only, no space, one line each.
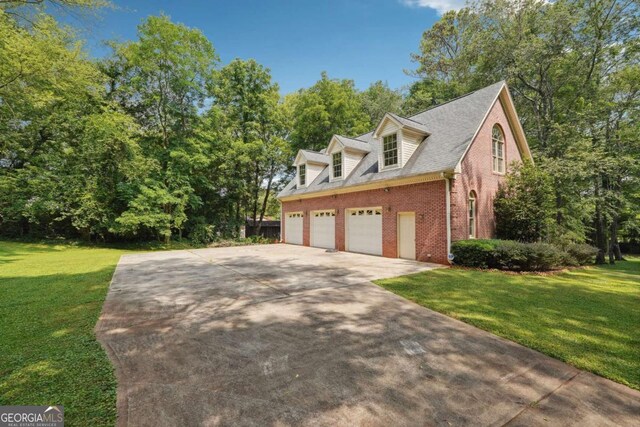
(362,229)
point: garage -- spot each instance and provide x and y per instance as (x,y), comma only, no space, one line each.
(293,227)
(323,229)
(364,231)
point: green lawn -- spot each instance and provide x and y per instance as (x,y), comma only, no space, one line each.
(588,317)
(51,297)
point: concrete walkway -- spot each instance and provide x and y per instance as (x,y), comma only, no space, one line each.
(287,335)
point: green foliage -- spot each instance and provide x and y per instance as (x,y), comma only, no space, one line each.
(327,108)
(519,256)
(380,99)
(581,253)
(202,233)
(153,141)
(255,122)
(524,206)
(585,317)
(473,252)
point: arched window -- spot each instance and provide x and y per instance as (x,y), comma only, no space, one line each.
(472,215)
(497,149)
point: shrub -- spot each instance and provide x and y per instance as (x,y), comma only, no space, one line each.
(509,255)
(542,257)
(582,253)
(202,234)
(524,204)
(473,253)
(260,240)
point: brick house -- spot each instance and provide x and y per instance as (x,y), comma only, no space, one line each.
(410,187)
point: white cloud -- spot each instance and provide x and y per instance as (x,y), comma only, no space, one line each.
(441,6)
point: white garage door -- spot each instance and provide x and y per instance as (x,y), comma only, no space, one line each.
(323,229)
(364,231)
(293,228)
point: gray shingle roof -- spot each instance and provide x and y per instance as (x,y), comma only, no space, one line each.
(314,156)
(410,123)
(355,144)
(451,127)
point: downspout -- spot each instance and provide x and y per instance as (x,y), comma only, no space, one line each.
(447,184)
(281,222)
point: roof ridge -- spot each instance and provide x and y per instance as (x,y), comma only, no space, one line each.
(409,118)
(454,99)
(355,139)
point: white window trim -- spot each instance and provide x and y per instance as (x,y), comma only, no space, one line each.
(337,178)
(494,156)
(382,167)
(472,196)
(306,175)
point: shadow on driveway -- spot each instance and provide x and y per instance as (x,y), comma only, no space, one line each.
(279,334)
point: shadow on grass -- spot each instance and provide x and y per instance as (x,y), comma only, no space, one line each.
(588,317)
(49,351)
(14,251)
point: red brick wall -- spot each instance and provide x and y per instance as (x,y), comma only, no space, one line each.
(427,200)
(477,175)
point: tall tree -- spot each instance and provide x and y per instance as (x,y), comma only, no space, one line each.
(162,79)
(328,107)
(48,90)
(379,99)
(249,103)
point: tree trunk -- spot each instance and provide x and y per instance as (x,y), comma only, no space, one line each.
(601,239)
(614,247)
(236,226)
(265,200)
(256,194)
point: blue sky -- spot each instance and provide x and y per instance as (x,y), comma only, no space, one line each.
(364,40)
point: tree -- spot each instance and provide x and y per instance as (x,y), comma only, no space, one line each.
(249,104)
(327,108)
(523,205)
(48,89)
(162,80)
(379,99)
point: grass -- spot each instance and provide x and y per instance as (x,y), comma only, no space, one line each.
(52,295)
(589,318)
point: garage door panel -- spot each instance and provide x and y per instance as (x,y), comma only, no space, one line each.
(364,231)
(293,227)
(323,229)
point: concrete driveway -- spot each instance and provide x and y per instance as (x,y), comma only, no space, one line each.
(288,335)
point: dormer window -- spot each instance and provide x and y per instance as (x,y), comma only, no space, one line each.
(390,150)
(302,174)
(337,164)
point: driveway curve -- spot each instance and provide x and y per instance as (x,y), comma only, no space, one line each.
(289,335)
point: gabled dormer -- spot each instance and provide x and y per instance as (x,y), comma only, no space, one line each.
(308,165)
(398,138)
(345,154)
